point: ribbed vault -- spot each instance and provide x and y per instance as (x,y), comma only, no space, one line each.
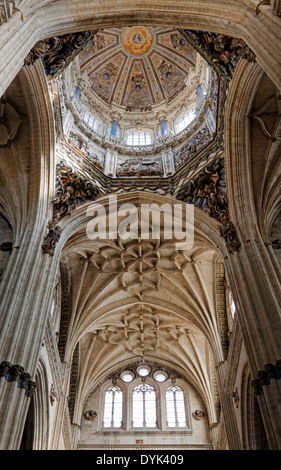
(142,300)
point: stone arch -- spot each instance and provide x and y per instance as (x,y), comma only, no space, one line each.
(222,17)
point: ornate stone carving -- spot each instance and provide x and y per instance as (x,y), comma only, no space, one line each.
(205,185)
(192,145)
(222,52)
(221,307)
(5,368)
(262,378)
(143,330)
(57,52)
(198,415)
(73,383)
(228,233)
(180,43)
(15,373)
(53,395)
(208,192)
(265,376)
(72,190)
(135,167)
(235,396)
(65,309)
(52,238)
(91,415)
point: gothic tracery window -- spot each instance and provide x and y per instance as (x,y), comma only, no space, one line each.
(144,398)
(175,408)
(144,406)
(113,407)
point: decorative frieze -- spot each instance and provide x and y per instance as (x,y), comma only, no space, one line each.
(265,376)
(74,377)
(221,307)
(65,309)
(15,373)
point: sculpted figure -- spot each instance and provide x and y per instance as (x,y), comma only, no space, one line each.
(91,415)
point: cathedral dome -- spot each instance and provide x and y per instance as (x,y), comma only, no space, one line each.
(143,100)
(138,68)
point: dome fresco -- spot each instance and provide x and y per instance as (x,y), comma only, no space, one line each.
(139,102)
(138,67)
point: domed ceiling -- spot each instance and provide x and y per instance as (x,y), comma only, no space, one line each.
(138,68)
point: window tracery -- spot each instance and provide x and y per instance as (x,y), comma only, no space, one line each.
(113,407)
(146,399)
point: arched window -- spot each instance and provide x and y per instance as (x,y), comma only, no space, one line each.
(90,120)
(185,120)
(113,407)
(144,406)
(139,139)
(176,416)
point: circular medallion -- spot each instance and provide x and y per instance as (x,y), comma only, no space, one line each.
(198,415)
(137,40)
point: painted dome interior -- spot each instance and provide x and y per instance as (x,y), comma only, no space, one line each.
(139,101)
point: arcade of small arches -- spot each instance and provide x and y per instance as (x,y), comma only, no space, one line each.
(132,343)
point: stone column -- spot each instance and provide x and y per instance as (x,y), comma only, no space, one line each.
(168,162)
(110,163)
(26,295)
(231,428)
(257,296)
(26,288)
